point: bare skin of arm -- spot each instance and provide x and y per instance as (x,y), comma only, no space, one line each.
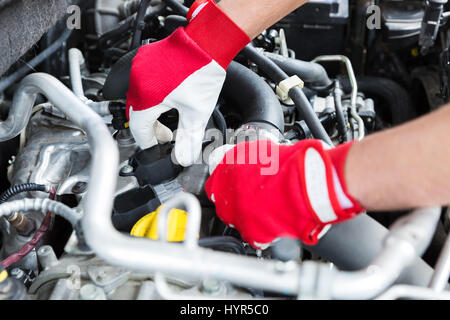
(404,167)
(253,16)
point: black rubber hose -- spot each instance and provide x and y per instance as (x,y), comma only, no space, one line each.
(173,22)
(139,24)
(311,73)
(120,31)
(340,116)
(222,242)
(302,103)
(220,122)
(117,81)
(177,7)
(26,187)
(252,98)
(41,57)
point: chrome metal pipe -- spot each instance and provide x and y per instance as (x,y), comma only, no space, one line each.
(184,260)
(413,292)
(351,75)
(42,205)
(76,61)
(408,239)
(439,280)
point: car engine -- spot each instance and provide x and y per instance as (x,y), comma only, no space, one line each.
(77,191)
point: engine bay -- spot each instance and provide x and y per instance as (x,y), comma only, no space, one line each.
(85,209)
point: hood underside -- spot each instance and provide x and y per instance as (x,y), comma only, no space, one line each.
(22,24)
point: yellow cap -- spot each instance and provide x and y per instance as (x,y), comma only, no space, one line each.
(3,275)
(147,226)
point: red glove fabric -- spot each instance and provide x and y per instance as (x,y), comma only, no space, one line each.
(306,193)
(185,71)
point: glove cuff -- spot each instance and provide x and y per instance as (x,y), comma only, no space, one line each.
(323,183)
(338,158)
(215,32)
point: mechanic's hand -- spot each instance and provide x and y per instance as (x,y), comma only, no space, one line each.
(267,191)
(185,71)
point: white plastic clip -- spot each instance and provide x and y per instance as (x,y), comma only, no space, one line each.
(286,85)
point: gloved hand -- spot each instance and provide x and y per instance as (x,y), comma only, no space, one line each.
(300,200)
(185,71)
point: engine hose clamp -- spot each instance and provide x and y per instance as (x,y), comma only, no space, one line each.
(286,85)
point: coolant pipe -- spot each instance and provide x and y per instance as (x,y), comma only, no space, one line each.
(76,61)
(441,274)
(408,239)
(353,244)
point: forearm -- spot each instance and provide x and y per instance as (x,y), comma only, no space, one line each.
(253,16)
(404,167)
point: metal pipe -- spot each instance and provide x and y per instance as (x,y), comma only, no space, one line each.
(145,255)
(413,292)
(408,238)
(351,74)
(76,61)
(42,205)
(441,274)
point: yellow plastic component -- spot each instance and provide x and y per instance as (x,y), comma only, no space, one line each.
(415,52)
(127,124)
(147,226)
(3,275)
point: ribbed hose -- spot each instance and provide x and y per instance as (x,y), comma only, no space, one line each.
(26,187)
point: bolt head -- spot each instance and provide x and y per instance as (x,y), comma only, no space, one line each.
(127,169)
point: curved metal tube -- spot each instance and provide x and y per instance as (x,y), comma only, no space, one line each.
(351,74)
(412,292)
(441,273)
(76,60)
(353,244)
(408,239)
(42,205)
(190,261)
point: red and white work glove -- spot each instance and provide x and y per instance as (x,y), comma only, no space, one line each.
(301,199)
(185,71)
